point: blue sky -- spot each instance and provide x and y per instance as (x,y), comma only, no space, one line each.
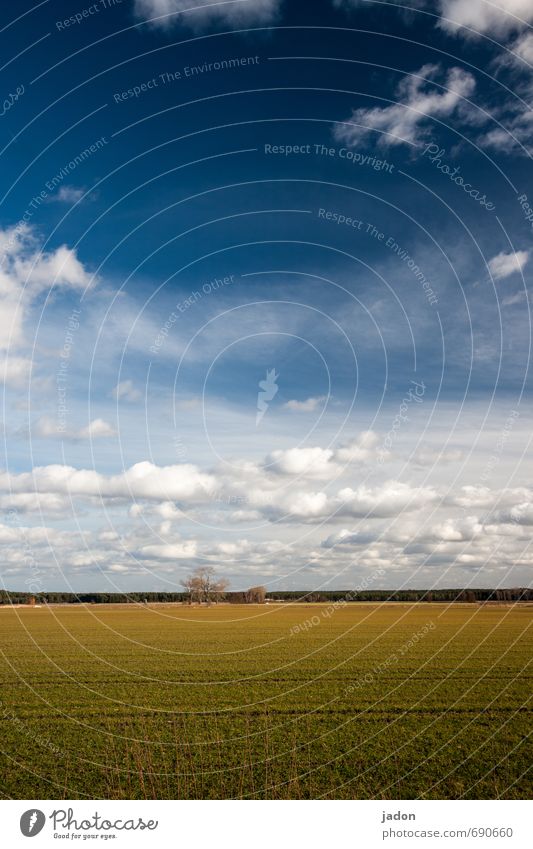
(195,195)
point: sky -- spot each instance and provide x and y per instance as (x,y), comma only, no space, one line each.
(265,274)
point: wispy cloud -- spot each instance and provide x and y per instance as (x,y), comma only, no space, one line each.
(196,13)
(307,406)
(49,428)
(503,265)
(489,17)
(67,194)
(126,391)
(420,98)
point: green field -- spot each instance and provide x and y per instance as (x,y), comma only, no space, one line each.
(366,701)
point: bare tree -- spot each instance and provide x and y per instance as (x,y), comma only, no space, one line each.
(256,595)
(204,586)
(193,587)
(219,588)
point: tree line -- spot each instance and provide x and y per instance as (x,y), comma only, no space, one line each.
(207,589)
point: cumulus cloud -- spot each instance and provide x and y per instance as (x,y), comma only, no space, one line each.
(34,502)
(420,99)
(142,481)
(316,462)
(389,499)
(489,17)
(199,13)
(311,462)
(170,551)
(26,272)
(307,406)
(126,391)
(453,530)
(385,501)
(503,265)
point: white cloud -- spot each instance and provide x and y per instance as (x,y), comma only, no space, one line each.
(308,505)
(118,568)
(311,462)
(503,265)
(15,371)
(515,136)
(168,511)
(307,406)
(389,499)
(68,194)
(34,502)
(49,428)
(343,537)
(97,429)
(517,298)
(323,462)
(419,100)
(490,17)
(523,47)
(170,551)
(26,272)
(239,516)
(361,450)
(199,13)
(143,481)
(383,501)
(453,530)
(126,391)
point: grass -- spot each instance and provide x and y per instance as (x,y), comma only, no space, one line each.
(276,701)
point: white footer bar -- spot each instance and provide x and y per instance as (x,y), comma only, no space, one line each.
(269,824)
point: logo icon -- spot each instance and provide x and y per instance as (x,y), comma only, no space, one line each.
(32,822)
(269,389)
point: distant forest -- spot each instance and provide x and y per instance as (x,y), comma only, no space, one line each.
(259,595)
